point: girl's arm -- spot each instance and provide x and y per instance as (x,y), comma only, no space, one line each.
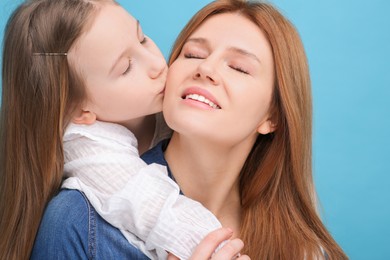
(102,161)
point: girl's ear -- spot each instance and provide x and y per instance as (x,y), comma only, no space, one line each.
(266,127)
(84,118)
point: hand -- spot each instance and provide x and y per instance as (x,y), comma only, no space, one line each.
(206,248)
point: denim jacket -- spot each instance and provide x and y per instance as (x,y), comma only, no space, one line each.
(81,234)
(72,229)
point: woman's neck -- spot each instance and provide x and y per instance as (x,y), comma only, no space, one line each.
(143,129)
(209,173)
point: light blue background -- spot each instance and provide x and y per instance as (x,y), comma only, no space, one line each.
(348,47)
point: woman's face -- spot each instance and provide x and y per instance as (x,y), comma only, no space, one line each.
(221,84)
(124,71)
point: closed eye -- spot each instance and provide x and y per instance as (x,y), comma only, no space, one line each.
(144,40)
(127,69)
(192,56)
(239,69)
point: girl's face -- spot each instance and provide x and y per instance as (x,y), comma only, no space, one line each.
(221,84)
(124,71)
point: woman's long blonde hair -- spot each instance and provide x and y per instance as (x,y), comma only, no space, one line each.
(279,216)
(39,91)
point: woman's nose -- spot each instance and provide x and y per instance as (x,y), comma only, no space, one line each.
(207,71)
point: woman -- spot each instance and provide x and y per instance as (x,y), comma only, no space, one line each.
(246,157)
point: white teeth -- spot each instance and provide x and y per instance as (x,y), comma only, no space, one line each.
(202,99)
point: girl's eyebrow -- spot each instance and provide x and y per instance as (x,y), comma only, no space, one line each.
(240,51)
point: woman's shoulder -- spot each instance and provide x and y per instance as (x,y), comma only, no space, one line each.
(71,229)
(68,211)
(67,201)
(63,232)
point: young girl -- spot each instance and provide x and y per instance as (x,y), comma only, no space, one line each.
(87,62)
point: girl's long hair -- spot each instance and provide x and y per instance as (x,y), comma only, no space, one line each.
(279,213)
(39,91)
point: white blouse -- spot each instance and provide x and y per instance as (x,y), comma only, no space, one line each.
(102,161)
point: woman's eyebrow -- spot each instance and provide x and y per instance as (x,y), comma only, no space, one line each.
(245,53)
(240,51)
(198,40)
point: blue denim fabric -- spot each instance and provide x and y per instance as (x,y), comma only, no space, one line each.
(156,155)
(71,229)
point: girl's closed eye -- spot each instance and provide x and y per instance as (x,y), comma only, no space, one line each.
(141,36)
(144,40)
(127,69)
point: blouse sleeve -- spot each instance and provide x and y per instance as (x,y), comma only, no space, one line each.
(139,199)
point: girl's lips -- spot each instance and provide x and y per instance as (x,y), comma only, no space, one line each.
(201,95)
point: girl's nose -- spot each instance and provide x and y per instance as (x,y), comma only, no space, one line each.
(157,67)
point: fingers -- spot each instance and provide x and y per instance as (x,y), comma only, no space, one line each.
(230,250)
(172,257)
(208,245)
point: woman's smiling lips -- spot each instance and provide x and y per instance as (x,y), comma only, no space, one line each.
(201,97)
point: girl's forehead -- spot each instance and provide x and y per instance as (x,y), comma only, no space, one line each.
(112,32)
